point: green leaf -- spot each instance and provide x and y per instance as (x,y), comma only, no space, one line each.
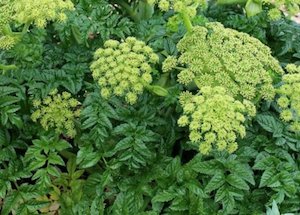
(62,145)
(55,159)
(123,144)
(97,207)
(274,210)
(270,124)
(245,172)
(36,164)
(179,204)
(53,171)
(205,167)
(87,158)
(217,181)
(11,201)
(237,181)
(228,204)
(164,196)
(253,7)
(266,177)
(8,100)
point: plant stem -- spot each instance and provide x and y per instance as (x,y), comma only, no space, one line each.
(187,22)
(7,30)
(127,7)
(8,67)
(25,28)
(231,1)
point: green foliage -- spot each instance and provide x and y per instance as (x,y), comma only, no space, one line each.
(81,151)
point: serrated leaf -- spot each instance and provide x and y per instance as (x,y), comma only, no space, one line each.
(10,202)
(62,145)
(179,204)
(217,181)
(205,167)
(237,181)
(164,196)
(53,171)
(245,172)
(270,124)
(97,207)
(266,177)
(123,144)
(228,203)
(54,158)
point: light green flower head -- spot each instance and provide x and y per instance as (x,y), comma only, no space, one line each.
(7,42)
(289,99)
(41,11)
(169,64)
(291,7)
(188,7)
(215,119)
(26,12)
(123,69)
(57,111)
(218,56)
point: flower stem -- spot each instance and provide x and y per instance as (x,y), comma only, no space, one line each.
(187,22)
(25,28)
(231,1)
(8,67)
(127,8)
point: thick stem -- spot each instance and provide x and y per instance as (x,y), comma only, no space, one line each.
(7,30)
(25,28)
(187,22)
(231,1)
(8,67)
(127,7)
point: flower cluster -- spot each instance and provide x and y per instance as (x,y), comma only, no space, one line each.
(218,56)
(274,14)
(27,12)
(289,100)
(214,118)
(57,111)
(39,12)
(123,69)
(6,41)
(188,7)
(290,6)
(6,12)
(169,64)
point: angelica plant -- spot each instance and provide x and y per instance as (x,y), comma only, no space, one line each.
(186,9)
(180,6)
(27,12)
(215,119)
(253,7)
(57,111)
(218,56)
(289,100)
(7,40)
(40,12)
(124,69)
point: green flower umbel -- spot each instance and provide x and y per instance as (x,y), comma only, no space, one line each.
(289,100)
(123,69)
(218,56)
(57,111)
(27,12)
(188,7)
(41,11)
(215,119)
